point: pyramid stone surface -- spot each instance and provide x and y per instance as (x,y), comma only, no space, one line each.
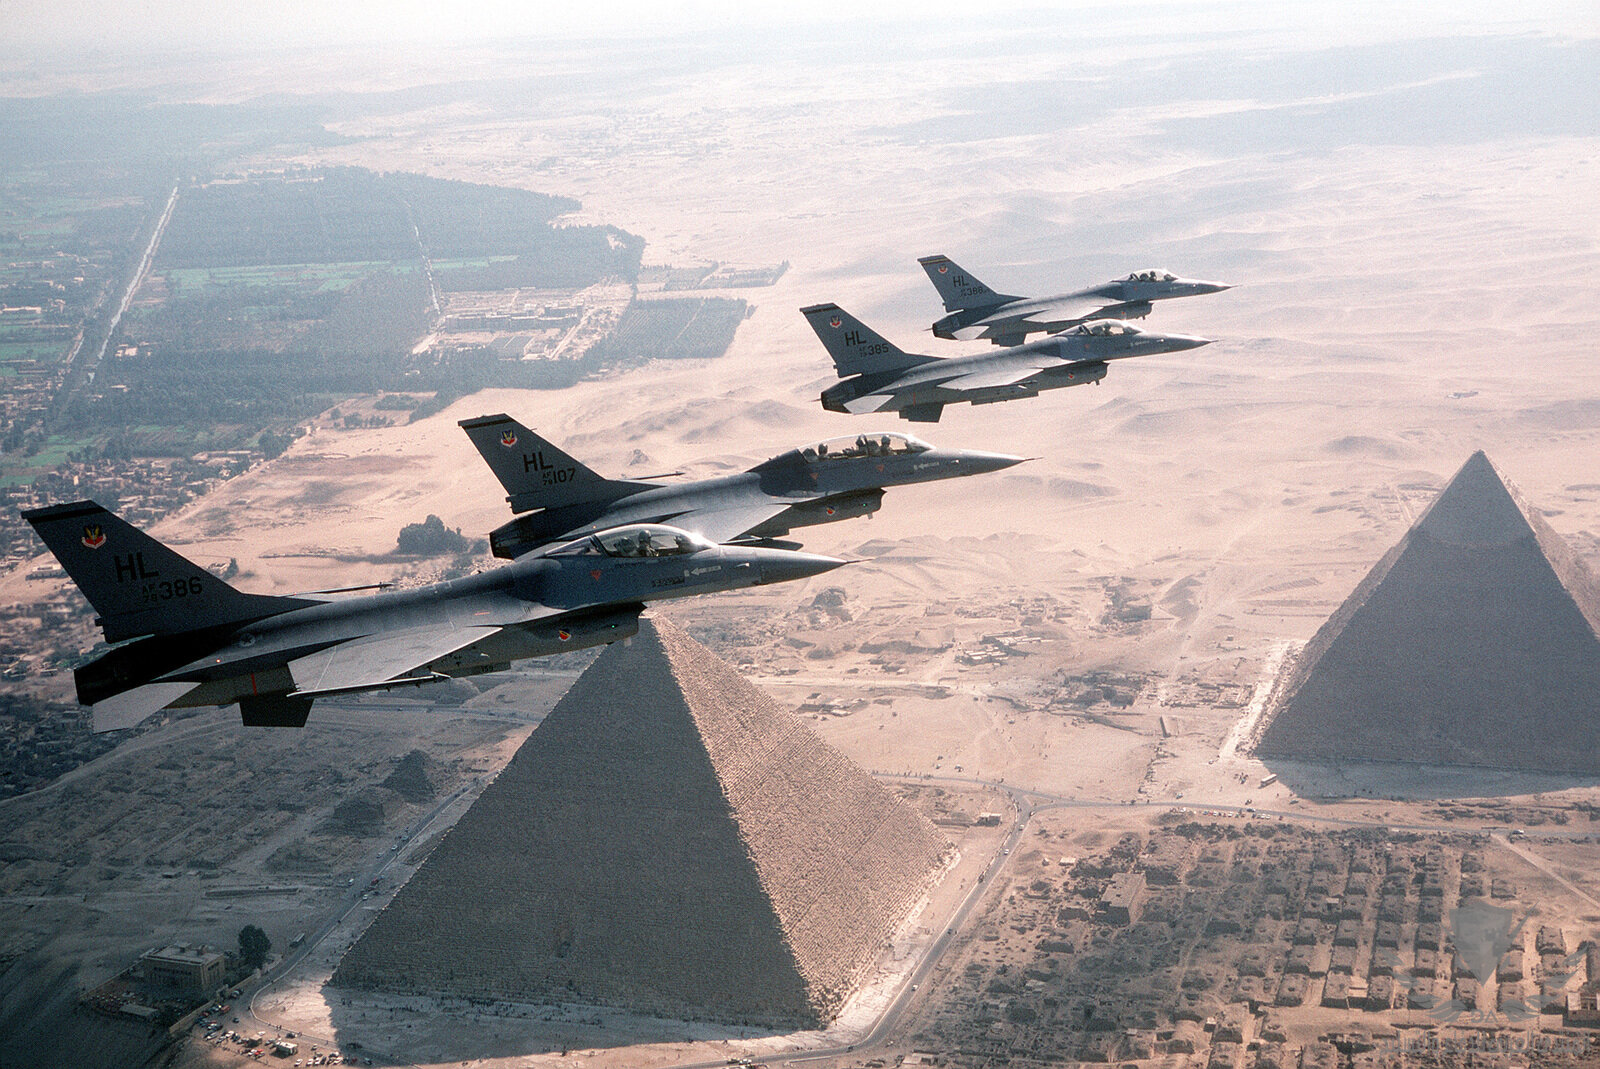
(670,840)
(1472,642)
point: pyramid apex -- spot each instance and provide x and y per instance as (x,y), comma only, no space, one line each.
(671,840)
(1474,641)
(1475,508)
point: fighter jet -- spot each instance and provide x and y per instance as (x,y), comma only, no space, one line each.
(879,377)
(831,480)
(197,641)
(976,311)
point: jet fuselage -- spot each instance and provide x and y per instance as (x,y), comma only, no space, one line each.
(1069,359)
(814,488)
(206,643)
(1009,320)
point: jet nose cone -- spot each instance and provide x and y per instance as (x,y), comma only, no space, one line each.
(973,462)
(780,566)
(1211,287)
(1178,342)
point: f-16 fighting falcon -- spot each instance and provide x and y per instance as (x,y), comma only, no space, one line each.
(976,311)
(197,641)
(879,377)
(832,480)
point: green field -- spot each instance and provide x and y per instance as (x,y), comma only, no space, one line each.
(18,470)
(44,352)
(56,448)
(674,329)
(43,218)
(473,261)
(321,278)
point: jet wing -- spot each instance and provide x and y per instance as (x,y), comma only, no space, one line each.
(369,662)
(1071,306)
(726,524)
(1047,314)
(991,379)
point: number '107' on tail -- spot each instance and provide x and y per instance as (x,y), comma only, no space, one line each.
(536,472)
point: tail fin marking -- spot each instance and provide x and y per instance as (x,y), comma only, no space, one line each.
(856,348)
(958,288)
(537,473)
(138,585)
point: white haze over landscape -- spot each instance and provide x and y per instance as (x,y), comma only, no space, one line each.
(1403,195)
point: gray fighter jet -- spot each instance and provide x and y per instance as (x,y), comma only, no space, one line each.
(197,641)
(832,480)
(976,311)
(880,377)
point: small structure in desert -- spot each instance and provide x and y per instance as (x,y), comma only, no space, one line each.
(669,840)
(1474,641)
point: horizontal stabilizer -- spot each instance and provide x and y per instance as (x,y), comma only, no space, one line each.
(872,402)
(132,707)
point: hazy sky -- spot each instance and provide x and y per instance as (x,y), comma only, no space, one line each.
(41,27)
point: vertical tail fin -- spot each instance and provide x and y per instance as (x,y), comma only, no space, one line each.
(958,288)
(536,473)
(856,348)
(136,584)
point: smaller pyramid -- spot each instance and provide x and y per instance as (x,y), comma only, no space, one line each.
(669,840)
(1474,641)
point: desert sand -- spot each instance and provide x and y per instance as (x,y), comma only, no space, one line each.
(1400,301)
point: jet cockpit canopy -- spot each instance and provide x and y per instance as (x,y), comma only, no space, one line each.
(1103,328)
(1154,275)
(635,540)
(881,444)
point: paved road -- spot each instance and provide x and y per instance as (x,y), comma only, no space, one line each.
(1545,867)
(353,900)
(1027,802)
(1030,802)
(85,358)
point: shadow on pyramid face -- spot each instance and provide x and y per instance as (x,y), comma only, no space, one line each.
(1464,665)
(1349,779)
(671,843)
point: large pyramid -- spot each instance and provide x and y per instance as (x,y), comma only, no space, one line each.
(671,840)
(1472,642)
